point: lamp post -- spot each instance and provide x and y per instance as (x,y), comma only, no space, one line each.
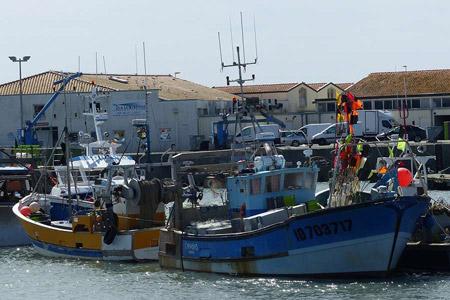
(20,60)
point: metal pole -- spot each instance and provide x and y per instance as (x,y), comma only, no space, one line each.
(20,94)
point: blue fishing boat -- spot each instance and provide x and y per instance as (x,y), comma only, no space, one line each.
(273,224)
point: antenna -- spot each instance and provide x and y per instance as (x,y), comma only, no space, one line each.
(232,43)
(242,36)
(220,51)
(104,64)
(145,65)
(136,57)
(256,43)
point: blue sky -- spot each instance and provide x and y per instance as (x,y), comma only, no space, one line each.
(311,41)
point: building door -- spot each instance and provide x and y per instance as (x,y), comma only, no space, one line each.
(439,120)
(47,136)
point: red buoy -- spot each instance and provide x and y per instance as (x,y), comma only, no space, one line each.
(404,177)
(25,210)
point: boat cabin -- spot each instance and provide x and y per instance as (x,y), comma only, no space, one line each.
(260,189)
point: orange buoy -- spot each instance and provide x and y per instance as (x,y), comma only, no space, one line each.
(404,177)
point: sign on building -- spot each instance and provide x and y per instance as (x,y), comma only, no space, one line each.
(165,134)
(128,108)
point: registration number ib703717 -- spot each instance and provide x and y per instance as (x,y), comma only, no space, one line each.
(318,230)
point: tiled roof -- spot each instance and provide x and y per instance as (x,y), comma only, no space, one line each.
(276,87)
(259,88)
(317,85)
(171,88)
(392,83)
(42,83)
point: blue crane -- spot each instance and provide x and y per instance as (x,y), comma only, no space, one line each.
(27,135)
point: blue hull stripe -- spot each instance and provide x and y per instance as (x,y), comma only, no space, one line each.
(68,251)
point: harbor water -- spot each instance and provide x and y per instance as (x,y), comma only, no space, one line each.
(25,274)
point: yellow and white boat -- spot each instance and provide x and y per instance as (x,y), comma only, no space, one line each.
(125,224)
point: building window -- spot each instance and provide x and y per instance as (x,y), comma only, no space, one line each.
(436,102)
(270,101)
(388,104)
(367,104)
(322,107)
(37,109)
(331,107)
(424,103)
(378,104)
(302,97)
(97,106)
(446,102)
(331,92)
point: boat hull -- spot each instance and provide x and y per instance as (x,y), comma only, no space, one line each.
(359,239)
(128,245)
(11,233)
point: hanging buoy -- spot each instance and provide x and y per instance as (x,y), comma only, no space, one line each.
(404,177)
(34,206)
(25,210)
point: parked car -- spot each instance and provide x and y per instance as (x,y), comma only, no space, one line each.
(248,133)
(415,133)
(293,137)
(334,131)
(311,129)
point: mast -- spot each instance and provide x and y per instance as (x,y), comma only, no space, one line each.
(239,80)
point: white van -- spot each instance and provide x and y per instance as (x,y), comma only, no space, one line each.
(247,133)
(329,135)
(311,129)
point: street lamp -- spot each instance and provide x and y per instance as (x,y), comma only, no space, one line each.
(20,60)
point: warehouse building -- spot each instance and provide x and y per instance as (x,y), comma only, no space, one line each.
(172,106)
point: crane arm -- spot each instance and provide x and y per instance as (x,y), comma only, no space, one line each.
(63,82)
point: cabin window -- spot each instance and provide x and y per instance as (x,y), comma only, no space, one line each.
(309,182)
(378,104)
(293,181)
(255,186)
(273,183)
(415,103)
